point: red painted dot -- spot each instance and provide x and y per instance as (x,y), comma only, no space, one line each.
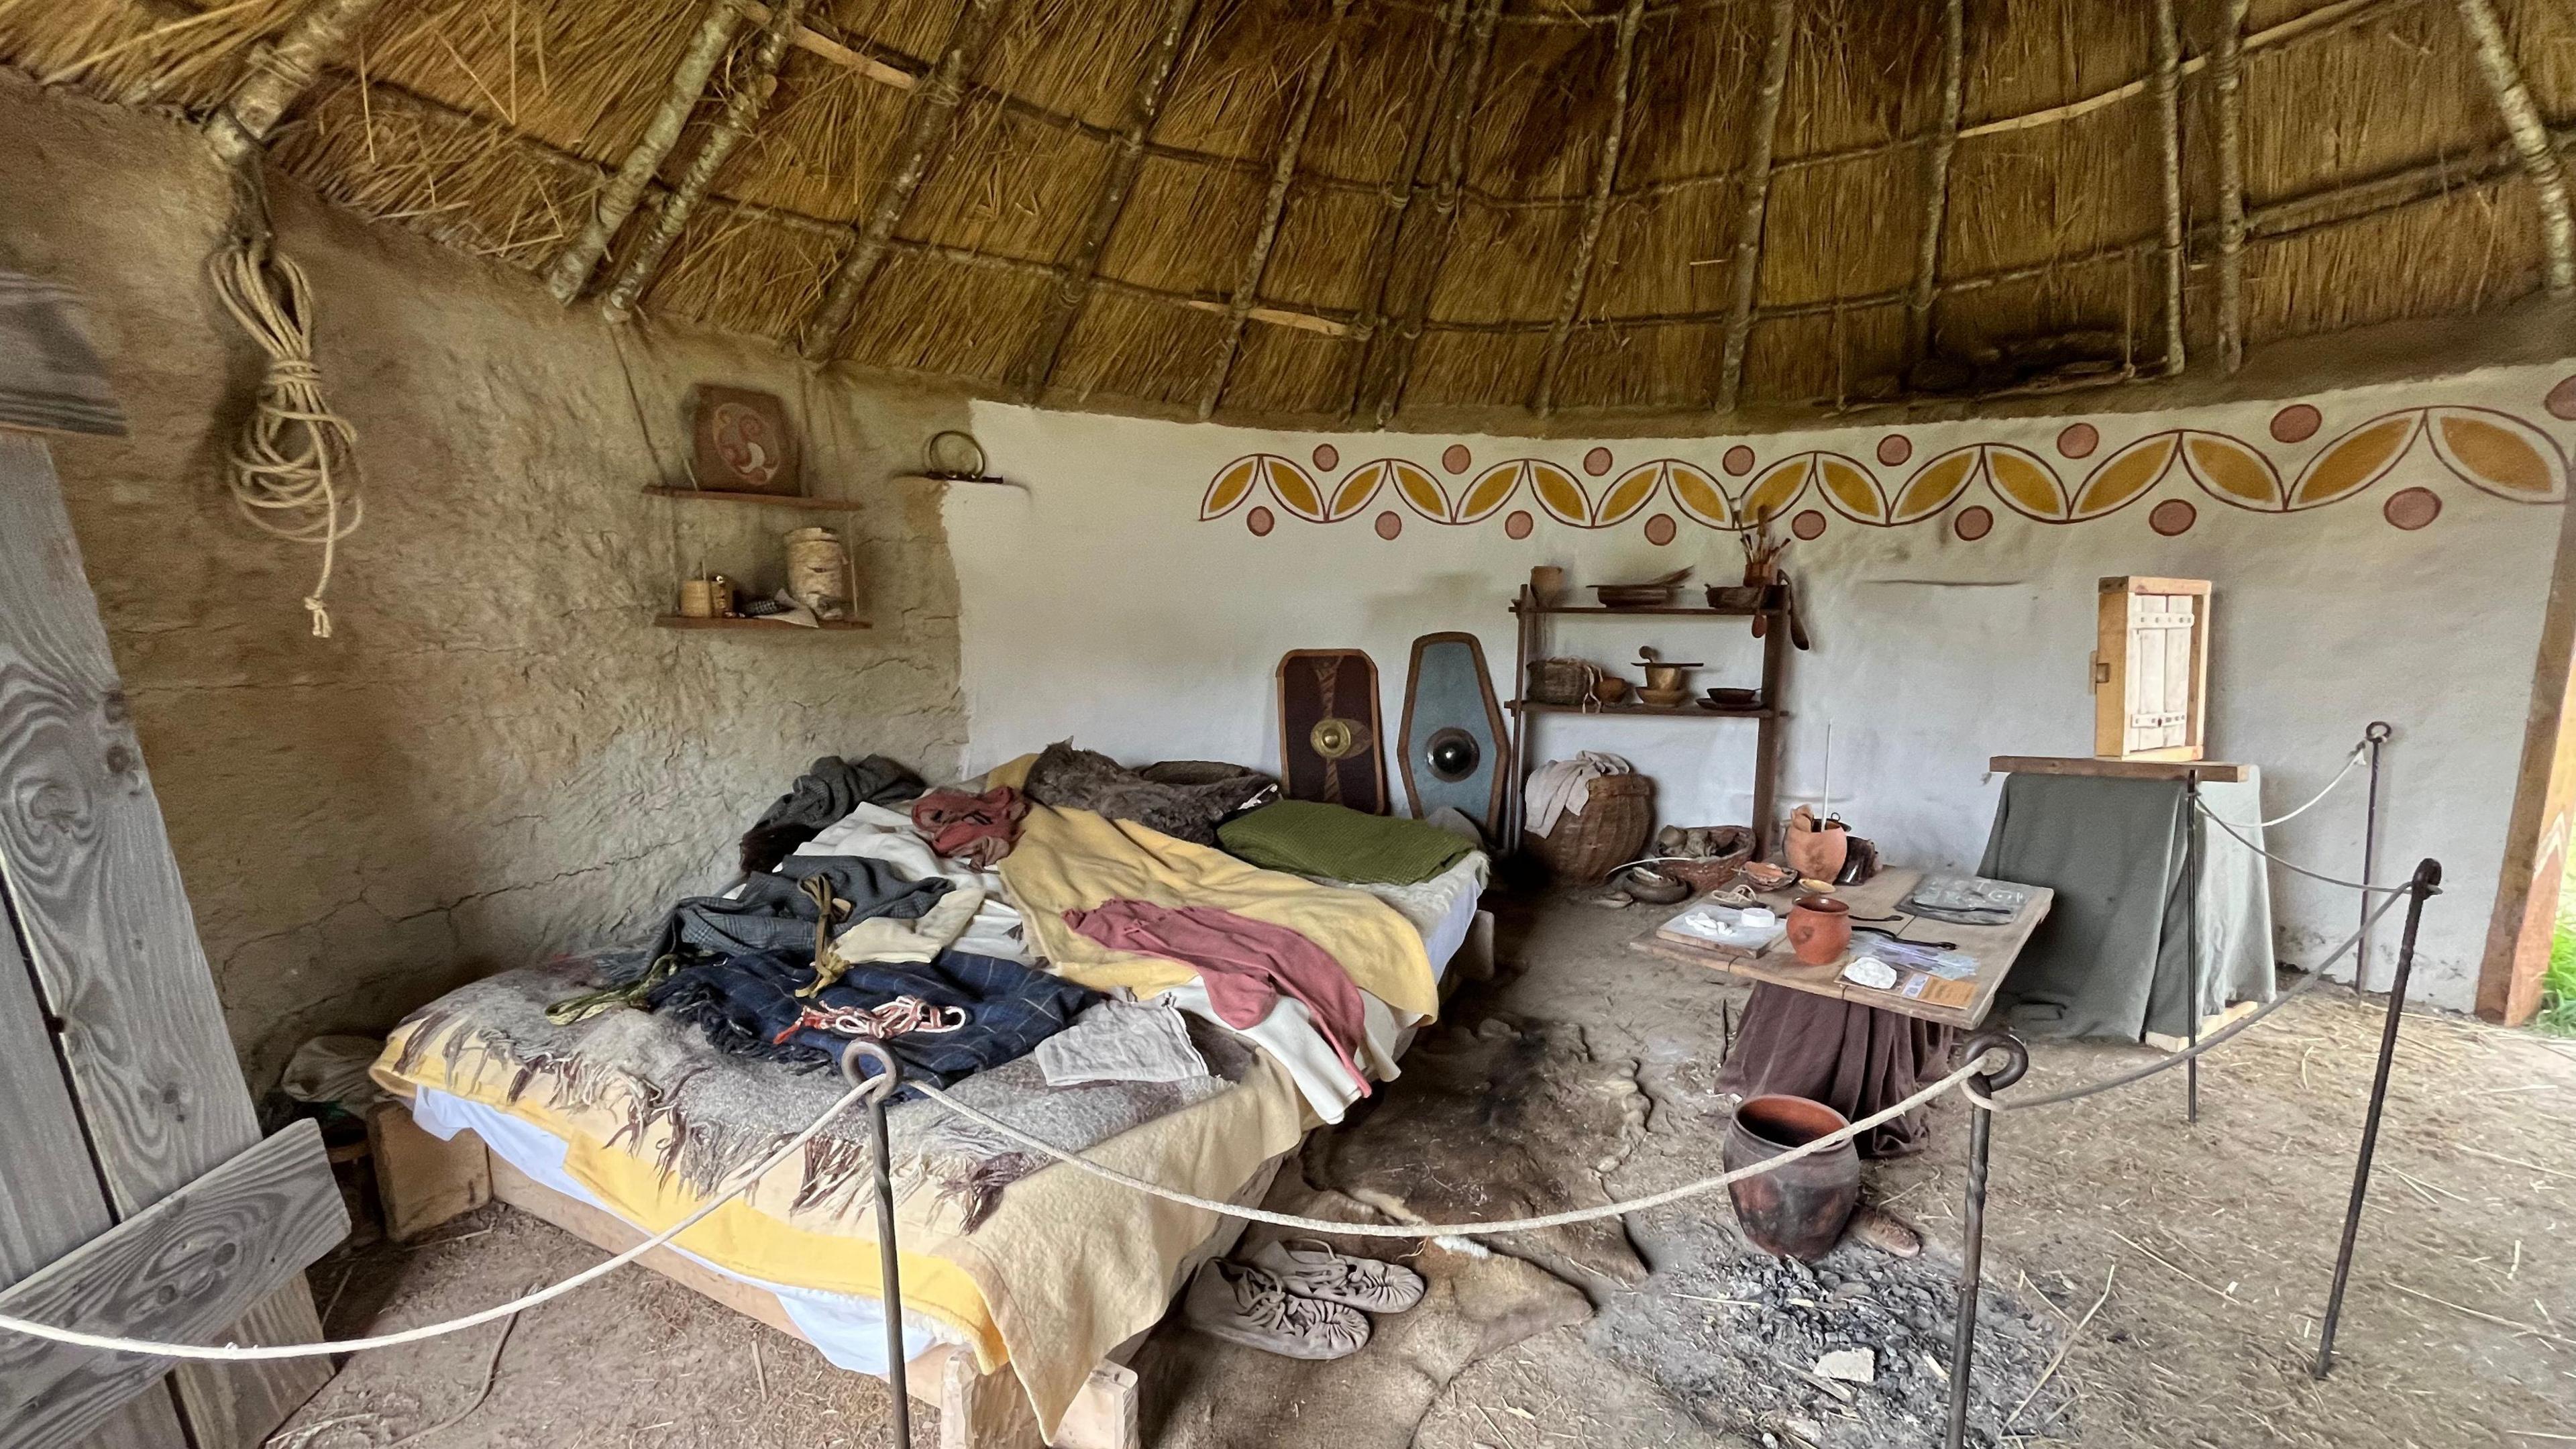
(1327,457)
(1738,460)
(1974,522)
(2411,508)
(2078,440)
(2561,401)
(1388,525)
(1810,524)
(1519,524)
(1895,448)
(1260,522)
(1455,457)
(1660,529)
(1597,462)
(2296,423)
(2171,517)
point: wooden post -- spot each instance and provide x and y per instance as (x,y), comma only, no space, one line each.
(1747,275)
(2226,79)
(284,72)
(2168,95)
(1379,267)
(617,200)
(742,111)
(1596,209)
(2531,140)
(1153,86)
(925,140)
(1936,181)
(1422,240)
(1283,174)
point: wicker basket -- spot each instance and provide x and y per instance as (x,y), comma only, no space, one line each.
(1562,681)
(1618,814)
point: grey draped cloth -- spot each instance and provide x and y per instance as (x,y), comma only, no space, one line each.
(830,788)
(1856,1059)
(2111,959)
(772,912)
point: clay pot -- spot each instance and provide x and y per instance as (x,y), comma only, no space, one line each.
(1819,929)
(1798,1211)
(1547,581)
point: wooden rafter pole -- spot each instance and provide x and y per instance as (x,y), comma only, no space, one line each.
(2167,89)
(1422,238)
(742,111)
(2530,140)
(1402,186)
(925,139)
(1274,205)
(284,71)
(1746,278)
(1596,209)
(617,200)
(2227,84)
(1064,308)
(1936,179)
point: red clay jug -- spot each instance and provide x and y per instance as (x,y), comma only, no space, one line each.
(1819,929)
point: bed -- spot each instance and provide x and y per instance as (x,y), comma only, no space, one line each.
(1024,1281)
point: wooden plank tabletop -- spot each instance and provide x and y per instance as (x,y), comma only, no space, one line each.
(1994,948)
(2213,772)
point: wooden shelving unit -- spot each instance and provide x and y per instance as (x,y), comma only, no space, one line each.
(1531,617)
(766,626)
(774,500)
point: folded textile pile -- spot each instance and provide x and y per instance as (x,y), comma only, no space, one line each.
(830,788)
(1309,837)
(944,1019)
(1245,965)
(977,829)
(1560,787)
(780,911)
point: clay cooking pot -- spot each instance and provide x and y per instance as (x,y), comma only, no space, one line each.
(1819,929)
(1798,1211)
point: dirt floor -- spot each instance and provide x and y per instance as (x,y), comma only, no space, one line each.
(2180,1269)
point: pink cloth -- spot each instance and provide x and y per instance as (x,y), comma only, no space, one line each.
(1247,965)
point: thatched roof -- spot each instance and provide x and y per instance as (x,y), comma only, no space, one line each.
(1346,211)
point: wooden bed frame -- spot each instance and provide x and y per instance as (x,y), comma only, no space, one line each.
(424,1182)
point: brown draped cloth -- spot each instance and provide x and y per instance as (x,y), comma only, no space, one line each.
(1855,1059)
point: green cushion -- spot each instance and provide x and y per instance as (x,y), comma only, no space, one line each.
(1308,837)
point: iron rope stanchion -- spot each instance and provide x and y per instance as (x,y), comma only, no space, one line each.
(2426,884)
(2372,738)
(1972,1254)
(2191,940)
(885,1082)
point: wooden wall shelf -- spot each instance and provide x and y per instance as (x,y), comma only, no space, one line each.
(774,500)
(766,626)
(1612,711)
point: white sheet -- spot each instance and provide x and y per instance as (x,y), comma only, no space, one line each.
(849,1329)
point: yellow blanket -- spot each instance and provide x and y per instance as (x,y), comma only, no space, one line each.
(1075,859)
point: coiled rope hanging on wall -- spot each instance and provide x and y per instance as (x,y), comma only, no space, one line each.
(293,471)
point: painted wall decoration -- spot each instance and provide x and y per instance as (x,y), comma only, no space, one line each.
(2489,449)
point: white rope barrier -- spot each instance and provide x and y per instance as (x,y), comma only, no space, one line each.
(2351,763)
(2292,866)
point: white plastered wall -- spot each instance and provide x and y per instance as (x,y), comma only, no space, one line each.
(1098,605)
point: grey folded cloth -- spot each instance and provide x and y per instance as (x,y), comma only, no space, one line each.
(1122,1041)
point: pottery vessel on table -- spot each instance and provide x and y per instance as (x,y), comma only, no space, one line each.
(1819,929)
(1798,1211)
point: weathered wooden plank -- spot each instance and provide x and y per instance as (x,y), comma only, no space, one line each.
(106,924)
(51,1200)
(179,1271)
(422,1181)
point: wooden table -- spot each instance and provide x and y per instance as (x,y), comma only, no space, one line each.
(1994,948)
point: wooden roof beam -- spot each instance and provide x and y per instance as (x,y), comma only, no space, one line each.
(1405,182)
(1153,87)
(2227,82)
(932,116)
(1596,209)
(2530,141)
(742,111)
(1274,205)
(573,265)
(2167,89)
(1422,239)
(1747,274)
(281,73)
(1936,180)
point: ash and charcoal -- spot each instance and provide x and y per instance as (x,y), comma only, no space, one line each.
(1738,1335)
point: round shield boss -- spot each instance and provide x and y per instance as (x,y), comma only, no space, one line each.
(1336,739)
(1453,754)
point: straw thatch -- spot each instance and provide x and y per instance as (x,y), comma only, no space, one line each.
(1347,212)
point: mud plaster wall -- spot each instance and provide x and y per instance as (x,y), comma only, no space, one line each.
(1101,604)
(494,757)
